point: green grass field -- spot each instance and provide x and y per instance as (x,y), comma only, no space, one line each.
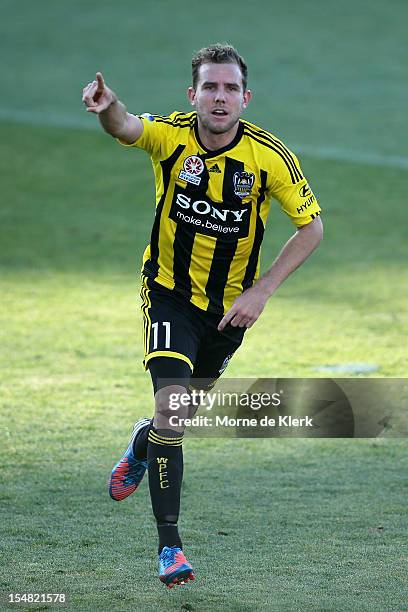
(270,525)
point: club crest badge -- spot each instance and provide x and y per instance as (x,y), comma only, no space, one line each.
(243,183)
(192,168)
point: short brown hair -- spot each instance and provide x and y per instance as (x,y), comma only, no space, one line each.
(220,53)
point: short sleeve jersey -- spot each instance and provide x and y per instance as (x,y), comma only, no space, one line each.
(212,206)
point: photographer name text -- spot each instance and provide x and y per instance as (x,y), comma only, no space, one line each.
(227,421)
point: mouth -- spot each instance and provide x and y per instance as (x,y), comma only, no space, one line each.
(219,112)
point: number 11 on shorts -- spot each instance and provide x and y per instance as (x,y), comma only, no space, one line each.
(155,328)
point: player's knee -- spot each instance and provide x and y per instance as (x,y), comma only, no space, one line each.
(198,388)
(171,408)
(202,384)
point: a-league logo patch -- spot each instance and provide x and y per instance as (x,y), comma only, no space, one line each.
(243,183)
(193,167)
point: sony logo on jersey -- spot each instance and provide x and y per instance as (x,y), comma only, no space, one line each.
(202,207)
(204,216)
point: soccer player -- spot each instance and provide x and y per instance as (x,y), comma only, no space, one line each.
(215,176)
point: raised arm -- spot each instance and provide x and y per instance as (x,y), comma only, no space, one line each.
(112,114)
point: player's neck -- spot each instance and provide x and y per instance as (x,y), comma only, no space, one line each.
(212,141)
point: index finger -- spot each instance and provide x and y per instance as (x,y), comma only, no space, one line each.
(101,81)
(226,319)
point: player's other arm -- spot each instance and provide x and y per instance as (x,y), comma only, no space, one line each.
(112,114)
(248,306)
(296,250)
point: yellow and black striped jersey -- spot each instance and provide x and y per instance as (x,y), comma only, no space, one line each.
(212,206)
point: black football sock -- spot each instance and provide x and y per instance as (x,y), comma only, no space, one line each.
(168,536)
(140,442)
(165,467)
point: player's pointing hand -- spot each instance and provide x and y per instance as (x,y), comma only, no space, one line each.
(96,96)
(246,309)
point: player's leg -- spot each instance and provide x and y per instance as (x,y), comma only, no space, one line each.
(172,336)
(165,458)
(165,464)
(170,379)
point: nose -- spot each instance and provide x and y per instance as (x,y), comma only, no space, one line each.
(220,95)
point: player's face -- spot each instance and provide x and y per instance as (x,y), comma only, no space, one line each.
(219,97)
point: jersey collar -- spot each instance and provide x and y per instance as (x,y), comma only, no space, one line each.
(210,153)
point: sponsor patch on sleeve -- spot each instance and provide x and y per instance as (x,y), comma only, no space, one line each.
(147,116)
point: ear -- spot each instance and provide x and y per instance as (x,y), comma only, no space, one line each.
(247,98)
(191,95)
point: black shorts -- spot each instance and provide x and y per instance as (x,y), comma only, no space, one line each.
(175,328)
